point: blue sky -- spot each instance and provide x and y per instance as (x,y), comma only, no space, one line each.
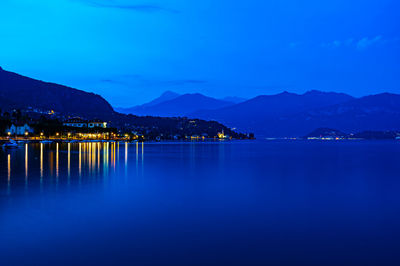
(130,51)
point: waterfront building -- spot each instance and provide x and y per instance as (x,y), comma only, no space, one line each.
(19,129)
(78,122)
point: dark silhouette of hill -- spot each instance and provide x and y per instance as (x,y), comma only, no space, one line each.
(21,92)
(27,94)
(256,114)
(289,114)
(378,112)
(280,115)
(178,106)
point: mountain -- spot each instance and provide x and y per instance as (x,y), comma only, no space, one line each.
(255,114)
(180,106)
(326,133)
(289,114)
(30,96)
(378,112)
(166,96)
(19,92)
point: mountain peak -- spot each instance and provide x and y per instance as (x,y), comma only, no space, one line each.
(286,93)
(169,94)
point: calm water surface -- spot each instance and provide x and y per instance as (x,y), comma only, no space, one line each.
(237,203)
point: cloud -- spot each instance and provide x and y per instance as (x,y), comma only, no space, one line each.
(133,7)
(365,42)
(360,44)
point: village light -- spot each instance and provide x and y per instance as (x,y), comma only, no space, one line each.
(26,133)
(41,133)
(57,134)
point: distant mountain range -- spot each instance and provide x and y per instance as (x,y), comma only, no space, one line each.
(329,133)
(280,115)
(171,104)
(37,97)
(287,114)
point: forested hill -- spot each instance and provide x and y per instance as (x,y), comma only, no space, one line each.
(20,92)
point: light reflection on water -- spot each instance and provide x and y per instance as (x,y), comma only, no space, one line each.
(239,203)
(63,161)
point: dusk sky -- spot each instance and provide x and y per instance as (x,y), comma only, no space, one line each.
(130,51)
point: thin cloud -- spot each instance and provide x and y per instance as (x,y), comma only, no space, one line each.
(149,8)
(360,44)
(365,42)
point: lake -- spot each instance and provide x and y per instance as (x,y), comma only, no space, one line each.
(193,203)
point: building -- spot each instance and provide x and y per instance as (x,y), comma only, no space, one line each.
(75,122)
(78,122)
(221,135)
(97,123)
(19,129)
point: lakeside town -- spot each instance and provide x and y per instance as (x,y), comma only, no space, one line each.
(39,125)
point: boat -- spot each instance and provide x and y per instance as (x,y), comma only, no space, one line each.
(11,144)
(46,141)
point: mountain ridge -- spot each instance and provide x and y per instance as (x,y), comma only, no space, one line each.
(181,105)
(346,113)
(47,95)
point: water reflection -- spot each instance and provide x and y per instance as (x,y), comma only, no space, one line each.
(57,157)
(126,159)
(80,159)
(287,196)
(8,171)
(39,163)
(69,160)
(26,164)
